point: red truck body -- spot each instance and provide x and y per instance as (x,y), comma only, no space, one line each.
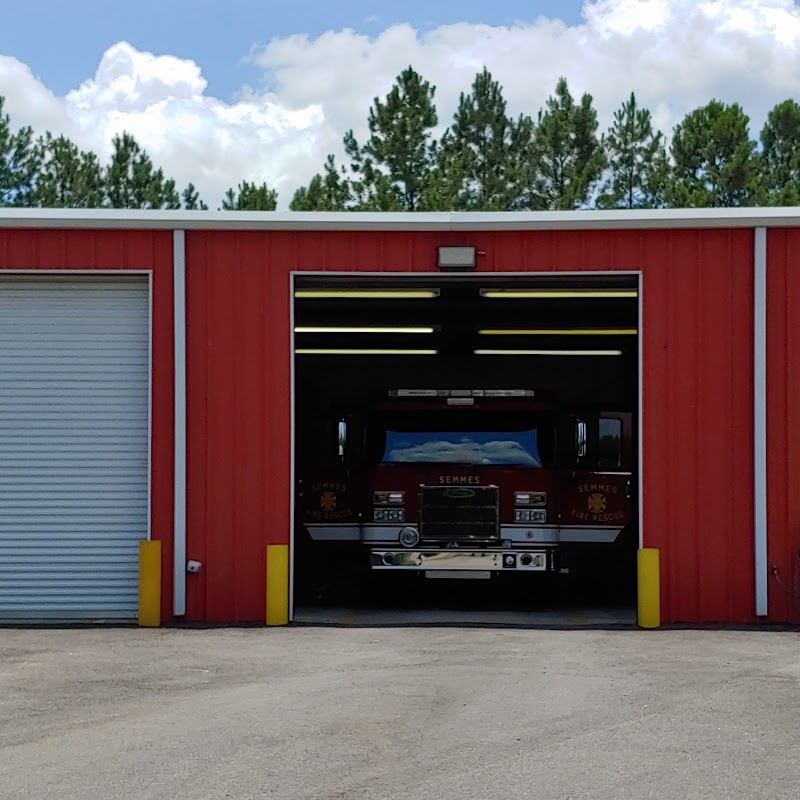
(473,481)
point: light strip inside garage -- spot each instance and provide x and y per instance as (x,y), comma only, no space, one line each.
(557,294)
(366,294)
(345,329)
(559,332)
(548,352)
(345,351)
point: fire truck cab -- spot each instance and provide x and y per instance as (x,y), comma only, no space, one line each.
(470,482)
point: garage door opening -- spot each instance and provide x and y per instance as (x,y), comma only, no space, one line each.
(466,445)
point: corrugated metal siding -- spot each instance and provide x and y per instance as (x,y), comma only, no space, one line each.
(783,422)
(43,249)
(74,386)
(698,426)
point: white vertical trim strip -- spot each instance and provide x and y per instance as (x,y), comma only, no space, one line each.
(149,406)
(179,529)
(760,418)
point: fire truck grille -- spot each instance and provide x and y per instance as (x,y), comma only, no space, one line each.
(457,513)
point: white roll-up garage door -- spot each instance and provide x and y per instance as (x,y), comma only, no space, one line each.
(74,445)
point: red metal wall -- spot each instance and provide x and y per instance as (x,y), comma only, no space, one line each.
(783,415)
(123,250)
(697,378)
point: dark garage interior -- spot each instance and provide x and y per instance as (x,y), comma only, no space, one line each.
(563,350)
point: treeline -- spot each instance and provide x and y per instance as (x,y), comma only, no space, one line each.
(486,160)
(53,172)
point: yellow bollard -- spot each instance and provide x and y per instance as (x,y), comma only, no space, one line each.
(649,574)
(278,584)
(149,584)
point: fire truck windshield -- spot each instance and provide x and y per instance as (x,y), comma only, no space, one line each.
(504,447)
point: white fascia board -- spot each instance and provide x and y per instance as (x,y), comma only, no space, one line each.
(219,220)
(377,221)
(673,218)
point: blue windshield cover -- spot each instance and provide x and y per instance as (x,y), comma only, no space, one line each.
(455,447)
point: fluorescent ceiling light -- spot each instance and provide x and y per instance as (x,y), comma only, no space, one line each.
(349,351)
(559,332)
(345,329)
(556,294)
(366,294)
(548,352)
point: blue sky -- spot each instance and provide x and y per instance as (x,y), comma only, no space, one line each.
(63,46)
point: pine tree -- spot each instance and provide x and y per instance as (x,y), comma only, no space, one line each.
(715,164)
(448,176)
(391,170)
(250,197)
(370,188)
(328,192)
(191,199)
(400,141)
(566,157)
(637,165)
(780,155)
(20,160)
(68,177)
(131,181)
(483,151)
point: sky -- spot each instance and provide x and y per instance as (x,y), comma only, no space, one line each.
(218,92)
(220,35)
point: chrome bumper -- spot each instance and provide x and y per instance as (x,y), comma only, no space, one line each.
(386,535)
(504,560)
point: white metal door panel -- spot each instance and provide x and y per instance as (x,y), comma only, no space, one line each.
(74,445)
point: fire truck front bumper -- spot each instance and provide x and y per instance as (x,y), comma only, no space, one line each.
(464,560)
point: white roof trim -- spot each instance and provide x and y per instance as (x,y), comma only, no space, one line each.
(354,221)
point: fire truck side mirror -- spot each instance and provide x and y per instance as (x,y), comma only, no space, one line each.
(342,438)
(581,437)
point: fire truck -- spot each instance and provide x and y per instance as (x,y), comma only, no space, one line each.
(468,483)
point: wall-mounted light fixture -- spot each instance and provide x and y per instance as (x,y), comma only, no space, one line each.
(456,259)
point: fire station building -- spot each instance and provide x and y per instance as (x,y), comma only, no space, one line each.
(148,365)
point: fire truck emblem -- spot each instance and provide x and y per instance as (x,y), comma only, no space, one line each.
(327,501)
(597,503)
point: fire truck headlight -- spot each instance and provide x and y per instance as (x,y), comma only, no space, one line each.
(536,516)
(409,537)
(536,499)
(388,515)
(388,498)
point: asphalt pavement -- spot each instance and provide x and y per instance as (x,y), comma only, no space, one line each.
(428,713)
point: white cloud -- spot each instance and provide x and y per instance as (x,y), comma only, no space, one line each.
(27,99)
(162,101)
(675,54)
